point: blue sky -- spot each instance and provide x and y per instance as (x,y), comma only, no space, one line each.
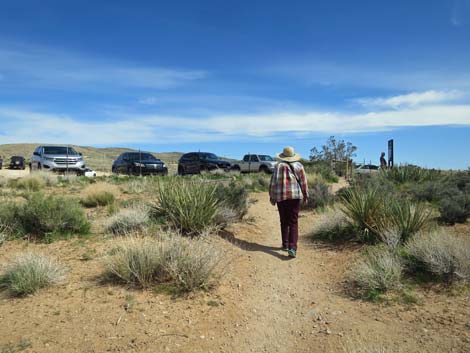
(240,76)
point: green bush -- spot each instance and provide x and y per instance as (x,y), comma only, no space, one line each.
(320,195)
(378,268)
(323,169)
(30,272)
(234,198)
(190,207)
(410,174)
(441,254)
(455,208)
(187,264)
(44,217)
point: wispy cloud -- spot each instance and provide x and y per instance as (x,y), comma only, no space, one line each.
(24,126)
(23,65)
(347,75)
(412,99)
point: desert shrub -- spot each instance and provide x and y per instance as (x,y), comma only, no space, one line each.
(138,261)
(333,226)
(320,195)
(3,182)
(193,264)
(189,207)
(98,195)
(323,169)
(455,208)
(441,254)
(28,273)
(365,209)
(233,200)
(188,264)
(378,268)
(28,183)
(128,220)
(426,191)
(46,216)
(8,217)
(136,186)
(410,174)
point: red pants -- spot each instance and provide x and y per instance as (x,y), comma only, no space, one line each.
(289,215)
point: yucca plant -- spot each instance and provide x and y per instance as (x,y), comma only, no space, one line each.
(190,207)
(407,218)
(365,210)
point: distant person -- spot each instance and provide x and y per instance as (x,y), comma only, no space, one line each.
(383,162)
(287,189)
(1,162)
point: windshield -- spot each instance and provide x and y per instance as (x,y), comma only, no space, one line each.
(141,157)
(60,150)
(208,156)
(266,158)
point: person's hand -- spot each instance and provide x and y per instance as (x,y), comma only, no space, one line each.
(305,200)
(272,201)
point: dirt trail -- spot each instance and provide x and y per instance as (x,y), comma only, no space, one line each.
(301,305)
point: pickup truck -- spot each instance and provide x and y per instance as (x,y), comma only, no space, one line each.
(254,163)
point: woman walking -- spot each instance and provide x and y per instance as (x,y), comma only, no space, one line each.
(287,189)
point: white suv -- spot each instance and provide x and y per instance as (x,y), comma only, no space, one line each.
(58,159)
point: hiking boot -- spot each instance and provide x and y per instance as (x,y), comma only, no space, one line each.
(284,248)
(292,252)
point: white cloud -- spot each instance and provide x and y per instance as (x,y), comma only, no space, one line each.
(27,126)
(25,66)
(412,99)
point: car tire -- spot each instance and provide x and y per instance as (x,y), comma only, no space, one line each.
(180,170)
(263,169)
(236,168)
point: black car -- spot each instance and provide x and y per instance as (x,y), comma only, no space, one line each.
(196,162)
(17,162)
(139,163)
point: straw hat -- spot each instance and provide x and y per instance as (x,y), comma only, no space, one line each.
(289,155)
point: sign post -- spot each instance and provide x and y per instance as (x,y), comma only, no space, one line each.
(390,153)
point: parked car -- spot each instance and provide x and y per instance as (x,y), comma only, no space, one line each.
(366,169)
(58,159)
(196,162)
(139,163)
(255,163)
(17,162)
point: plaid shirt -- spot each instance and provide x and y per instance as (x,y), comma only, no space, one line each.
(284,185)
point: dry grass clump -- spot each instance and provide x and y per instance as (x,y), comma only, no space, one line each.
(333,225)
(35,181)
(378,269)
(28,273)
(99,195)
(188,264)
(128,220)
(440,254)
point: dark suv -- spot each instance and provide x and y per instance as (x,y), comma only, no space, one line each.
(196,162)
(17,162)
(139,163)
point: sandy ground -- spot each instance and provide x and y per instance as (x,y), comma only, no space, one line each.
(266,303)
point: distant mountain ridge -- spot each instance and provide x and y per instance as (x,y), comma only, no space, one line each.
(96,158)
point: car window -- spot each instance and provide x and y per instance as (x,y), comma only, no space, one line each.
(266,158)
(373,167)
(141,157)
(254,158)
(60,150)
(246,158)
(205,156)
